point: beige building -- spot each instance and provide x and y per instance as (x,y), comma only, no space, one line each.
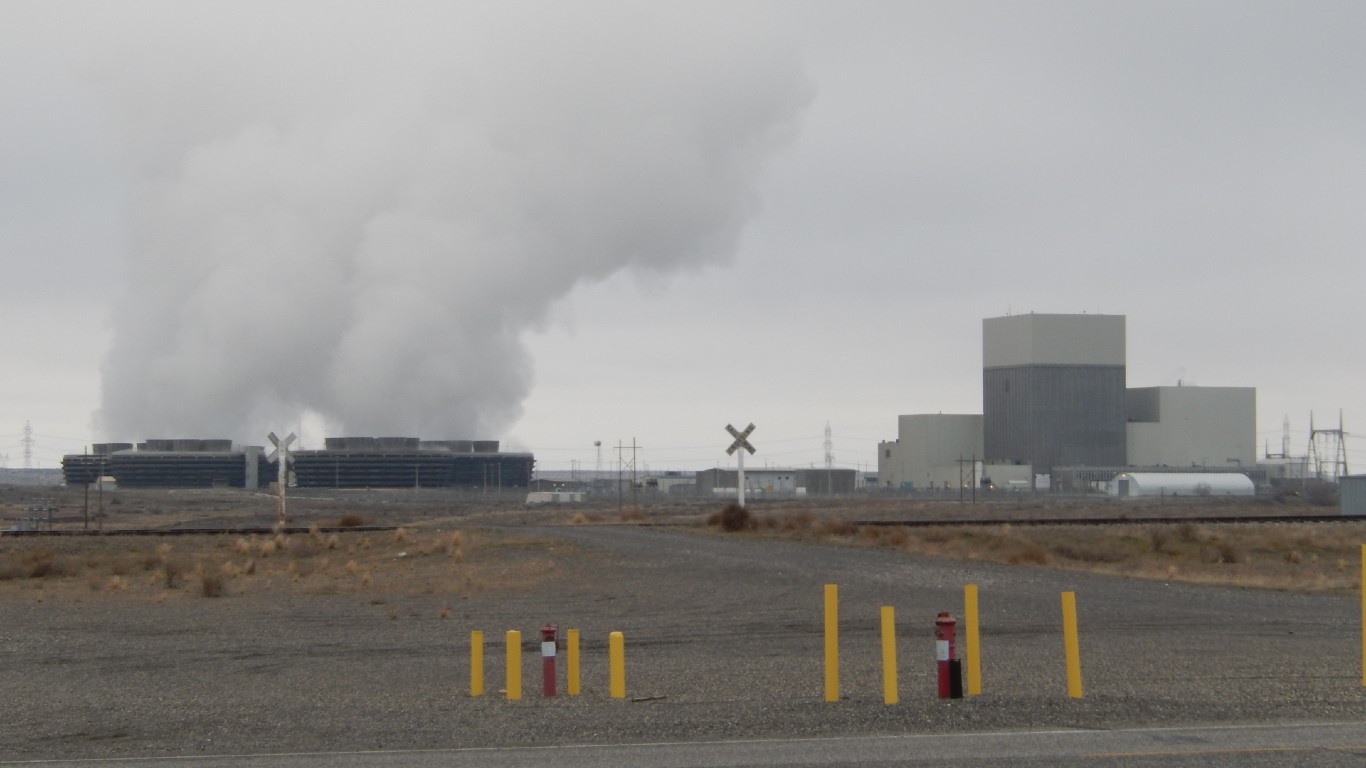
(930,451)
(1192,427)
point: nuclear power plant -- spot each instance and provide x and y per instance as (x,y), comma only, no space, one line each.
(344,462)
(1057,413)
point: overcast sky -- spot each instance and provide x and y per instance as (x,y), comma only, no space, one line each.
(557,223)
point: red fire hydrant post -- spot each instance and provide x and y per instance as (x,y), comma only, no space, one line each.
(549,638)
(946,652)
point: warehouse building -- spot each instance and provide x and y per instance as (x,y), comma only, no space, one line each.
(346,462)
(777,482)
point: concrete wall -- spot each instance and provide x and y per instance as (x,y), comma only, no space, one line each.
(927,449)
(1053,340)
(1192,426)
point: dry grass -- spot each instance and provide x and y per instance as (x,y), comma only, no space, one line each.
(1319,557)
(416,561)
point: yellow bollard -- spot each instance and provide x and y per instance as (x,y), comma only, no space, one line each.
(571,673)
(972,651)
(832,643)
(1069,632)
(616,661)
(889,688)
(476,663)
(514,674)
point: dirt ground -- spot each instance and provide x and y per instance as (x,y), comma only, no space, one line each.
(361,640)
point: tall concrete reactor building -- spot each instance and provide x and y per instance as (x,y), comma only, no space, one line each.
(1053,390)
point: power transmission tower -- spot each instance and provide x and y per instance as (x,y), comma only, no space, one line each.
(1328,451)
(27,442)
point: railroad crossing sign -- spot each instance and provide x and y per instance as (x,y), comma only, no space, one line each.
(282,456)
(741,441)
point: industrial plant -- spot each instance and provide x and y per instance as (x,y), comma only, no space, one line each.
(1057,413)
(344,462)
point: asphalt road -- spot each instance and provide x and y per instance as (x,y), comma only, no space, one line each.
(1327,744)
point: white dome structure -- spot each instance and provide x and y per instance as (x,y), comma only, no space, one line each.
(1133,484)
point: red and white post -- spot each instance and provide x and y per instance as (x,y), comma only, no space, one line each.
(549,637)
(946,653)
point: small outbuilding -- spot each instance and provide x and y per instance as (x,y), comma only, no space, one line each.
(1352,494)
(1133,484)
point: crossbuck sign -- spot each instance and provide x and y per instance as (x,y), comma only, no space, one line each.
(741,444)
(283,456)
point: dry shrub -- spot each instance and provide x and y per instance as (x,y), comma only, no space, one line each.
(734,519)
(267,548)
(171,571)
(250,568)
(400,535)
(444,613)
(1159,538)
(229,570)
(1030,554)
(798,522)
(632,515)
(116,583)
(211,584)
(454,541)
(315,533)
(163,551)
(838,527)
(579,518)
(351,567)
(1188,532)
(242,546)
(365,579)
(350,520)
(1293,557)
(1090,551)
(33,564)
(333,541)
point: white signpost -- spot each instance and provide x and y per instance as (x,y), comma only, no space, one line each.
(281,456)
(741,441)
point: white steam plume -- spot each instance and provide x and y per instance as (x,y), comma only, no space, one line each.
(359,212)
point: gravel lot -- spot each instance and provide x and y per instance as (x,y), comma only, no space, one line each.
(725,631)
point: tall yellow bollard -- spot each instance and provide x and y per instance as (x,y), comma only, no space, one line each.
(476,663)
(889,687)
(972,651)
(514,673)
(616,662)
(571,672)
(1069,632)
(832,643)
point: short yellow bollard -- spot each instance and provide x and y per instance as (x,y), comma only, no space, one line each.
(571,672)
(476,663)
(514,673)
(889,687)
(616,661)
(832,643)
(972,650)
(1069,631)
